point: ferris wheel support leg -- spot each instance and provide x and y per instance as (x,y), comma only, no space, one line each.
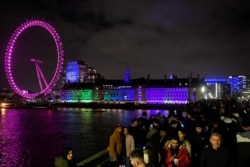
(38,76)
(43,78)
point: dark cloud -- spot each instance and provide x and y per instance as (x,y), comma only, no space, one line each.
(155,37)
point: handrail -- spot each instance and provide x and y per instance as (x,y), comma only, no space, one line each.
(93,158)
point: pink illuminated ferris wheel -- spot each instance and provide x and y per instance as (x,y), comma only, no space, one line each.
(45,87)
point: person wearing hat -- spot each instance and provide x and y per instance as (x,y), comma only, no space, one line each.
(115,146)
(199,141)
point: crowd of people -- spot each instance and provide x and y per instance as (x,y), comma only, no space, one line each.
(212,133)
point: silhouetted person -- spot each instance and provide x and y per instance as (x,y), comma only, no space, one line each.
(137,133)
(153,143)
(198,142)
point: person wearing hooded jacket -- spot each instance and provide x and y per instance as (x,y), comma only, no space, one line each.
(176,155)
(65,159)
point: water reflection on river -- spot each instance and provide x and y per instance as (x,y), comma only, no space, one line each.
(33,137)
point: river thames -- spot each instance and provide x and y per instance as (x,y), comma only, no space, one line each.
(33,137)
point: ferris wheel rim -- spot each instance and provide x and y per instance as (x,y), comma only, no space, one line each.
(9,57)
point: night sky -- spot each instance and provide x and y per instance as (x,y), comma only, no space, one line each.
(156,37)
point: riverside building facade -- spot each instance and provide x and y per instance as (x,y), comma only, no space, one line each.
(86,86)
(138,91)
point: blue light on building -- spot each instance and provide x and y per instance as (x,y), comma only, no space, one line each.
(127,76)
(72,72)
(167,95)
(215,80)
(237,83)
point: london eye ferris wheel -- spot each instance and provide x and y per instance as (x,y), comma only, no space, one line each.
(44,85)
